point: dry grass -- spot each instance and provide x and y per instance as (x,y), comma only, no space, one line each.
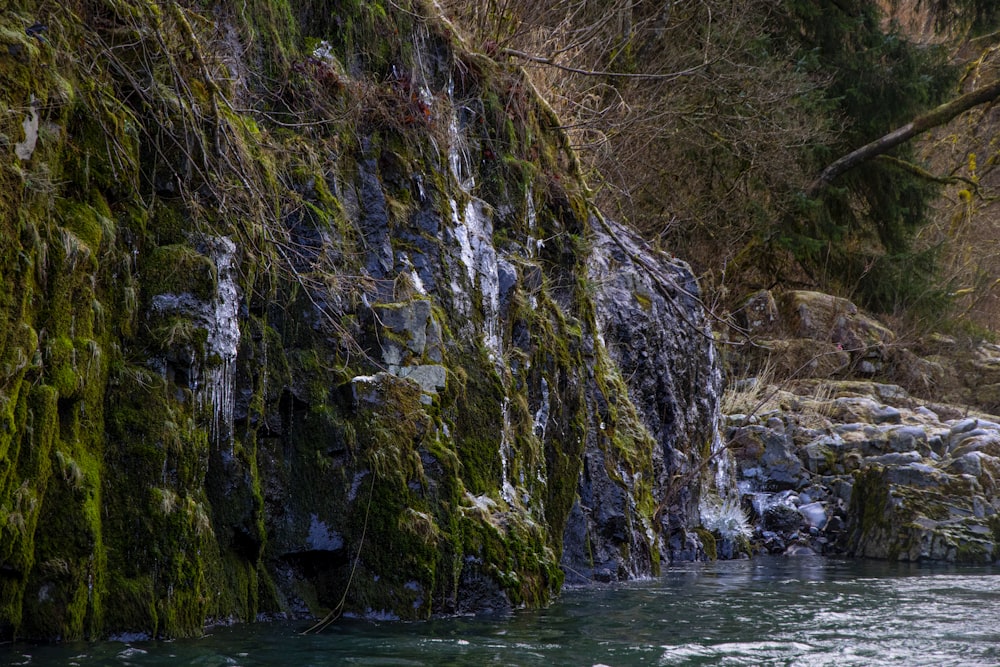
(751,395)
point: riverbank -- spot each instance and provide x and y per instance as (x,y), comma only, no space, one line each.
(846,463)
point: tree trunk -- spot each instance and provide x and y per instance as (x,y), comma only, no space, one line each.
(919,125)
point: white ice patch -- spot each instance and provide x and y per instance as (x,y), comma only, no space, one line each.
(25,149)
(459,155)
(323,51)
(474,232)
(507,490)
(220,319)
(418,284)
(464,234)
(724,517)
(542,414)
(534,245)
(459,158)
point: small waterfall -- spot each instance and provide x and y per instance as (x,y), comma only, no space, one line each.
(724,472)
(720,508)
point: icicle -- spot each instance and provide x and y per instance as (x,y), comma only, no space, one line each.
(223,341)
(506,451)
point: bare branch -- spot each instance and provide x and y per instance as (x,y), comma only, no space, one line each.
(619,75)
(934,118)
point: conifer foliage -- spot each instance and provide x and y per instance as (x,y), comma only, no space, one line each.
(856,236)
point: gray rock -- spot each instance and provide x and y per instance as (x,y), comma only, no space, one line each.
(973,441)
(895,458)
(666,361)
(818,457)
(814,514)
(937,445)
(760,313)
(799,550)
(367,390)
(916,512)
(431,378)
(918,475)
(963,426)
(887,415)
(924,411)
(907,438)
(782,518)
(779,462)
(409,321)
(321,537)
(968,464)
(868,367)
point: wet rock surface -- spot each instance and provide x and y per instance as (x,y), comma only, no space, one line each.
(864,469)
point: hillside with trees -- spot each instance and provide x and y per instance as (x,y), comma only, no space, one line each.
(841,145)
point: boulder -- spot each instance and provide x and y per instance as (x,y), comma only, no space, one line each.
(822,317)
(915,512)
(880,474)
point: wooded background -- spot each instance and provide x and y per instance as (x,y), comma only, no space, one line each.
(839,145)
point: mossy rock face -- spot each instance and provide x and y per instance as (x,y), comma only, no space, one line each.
(914,513)
(344,347)
(180,269)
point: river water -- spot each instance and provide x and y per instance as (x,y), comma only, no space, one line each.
(765,611)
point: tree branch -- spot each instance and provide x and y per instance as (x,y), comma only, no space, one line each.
(919,125)
(589,72)
(920,172)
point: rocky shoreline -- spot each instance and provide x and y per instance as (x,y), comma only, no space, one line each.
(856,466)
(869,471)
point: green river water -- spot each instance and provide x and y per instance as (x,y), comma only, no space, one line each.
(766,611)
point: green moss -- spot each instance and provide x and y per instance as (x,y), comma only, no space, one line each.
(21,501)
(169,225)
(69,574)
(158,460)
(132,607)
(643,300)
(478,397)
(515,555)
(103,150)
(708,543)
(179,269)
(62,367)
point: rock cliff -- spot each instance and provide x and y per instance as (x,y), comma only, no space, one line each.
(304,308)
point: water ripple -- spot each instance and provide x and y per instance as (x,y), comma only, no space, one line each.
(803,612)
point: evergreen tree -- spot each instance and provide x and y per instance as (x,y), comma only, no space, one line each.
(856,236)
